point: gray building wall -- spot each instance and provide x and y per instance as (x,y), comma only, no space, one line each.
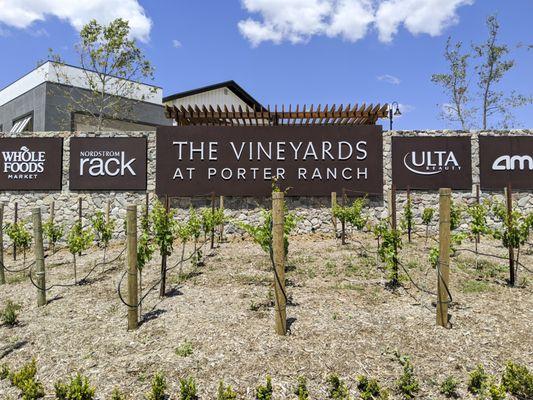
(52,106)
(33,100)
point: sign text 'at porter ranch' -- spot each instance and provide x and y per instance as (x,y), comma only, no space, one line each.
(243,160)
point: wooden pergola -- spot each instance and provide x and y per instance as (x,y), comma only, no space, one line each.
(335,115)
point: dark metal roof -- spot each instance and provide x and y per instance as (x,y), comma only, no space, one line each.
(231,85)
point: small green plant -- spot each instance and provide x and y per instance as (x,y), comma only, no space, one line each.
(264,392)
(20,236)
(27,372)
(184,234)
(145,248)
(158,387)
(337,388)
(497,392)
(456,212)
(407,217)
(478,380)
(195,226)
(103,230)
(301,389)
(407,384)
(518,380)
(188,389)
(4,372)
(225,392)
(78,388)
(369,389)
(78,240)
(53,233)
(448,387)
(352,214)
(433,256)
(32,389)
(185,349)
(9,315)
(391,242)
(427,217)
(163,225)
(117,394)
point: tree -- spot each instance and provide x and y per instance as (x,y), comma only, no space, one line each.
(455,85)
(113,68)
(490,64)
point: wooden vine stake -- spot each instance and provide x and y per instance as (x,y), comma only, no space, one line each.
(409,227)
(443,266)
(343,222)
(15,219)
(80,217)
(52,217)
(39,257)
(278,250)
(2,272)
(394,227)
(478,237)
(131,261)
(212,226)
(333,218)
(163,284)
(509,201)
(221,228)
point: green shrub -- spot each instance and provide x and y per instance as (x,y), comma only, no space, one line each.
(518,380)
(4,372)
(448,387)
(225,392)
(478,380)
(185,349)
(78,388)
(103,229)
(20,236)
(32,390)
(337,388)
(188,389)
(369,389)
(301,389)
(27,372)
(9,315)
(497,392)
(53,232)
(407,384)
(117,394)
(159,386)
(264,392)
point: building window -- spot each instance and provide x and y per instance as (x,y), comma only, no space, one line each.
(24,124)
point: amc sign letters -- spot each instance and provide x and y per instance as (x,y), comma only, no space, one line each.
(242,161)
(108,163)
(431,162)
(31,163)
(506,160)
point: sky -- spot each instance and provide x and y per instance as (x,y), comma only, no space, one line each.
(288,51)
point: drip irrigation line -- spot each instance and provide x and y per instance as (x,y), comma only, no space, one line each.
(420,288)
(17,270)
(494,256)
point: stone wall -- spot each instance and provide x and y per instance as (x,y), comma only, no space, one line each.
(313,212)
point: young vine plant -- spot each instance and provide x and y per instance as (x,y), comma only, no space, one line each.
(20,236)
(78,240)
(53,233)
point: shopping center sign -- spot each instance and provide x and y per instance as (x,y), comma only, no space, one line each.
(30,163)
(243,161)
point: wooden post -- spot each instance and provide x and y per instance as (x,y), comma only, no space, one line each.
(162,286)
(16,217)
(131,243)
(443,267)
(52,217)
(39,257)
(478,237)
(221,231)
(509,201)
(394,227)
(212,227)
(278,250)
(409,222)
(2,273)
(343,222)
(333,218)
(147,206)
(80,220)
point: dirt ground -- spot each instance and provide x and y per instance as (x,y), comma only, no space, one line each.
(218,322)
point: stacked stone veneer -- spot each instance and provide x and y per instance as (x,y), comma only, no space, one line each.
(314,212)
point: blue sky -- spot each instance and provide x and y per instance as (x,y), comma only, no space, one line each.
(287,51)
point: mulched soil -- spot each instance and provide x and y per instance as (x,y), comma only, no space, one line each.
(342,320)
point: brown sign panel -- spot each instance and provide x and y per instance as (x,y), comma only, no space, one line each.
(506,160)
(432,162)
(108,163)
(30,163)
(241,161)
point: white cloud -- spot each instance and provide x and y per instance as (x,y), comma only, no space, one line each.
(296,21)
(22,13)
(393,80)
(176,43)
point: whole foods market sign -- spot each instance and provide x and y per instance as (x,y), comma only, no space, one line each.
(31,163)
(108,163)
(242,161)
